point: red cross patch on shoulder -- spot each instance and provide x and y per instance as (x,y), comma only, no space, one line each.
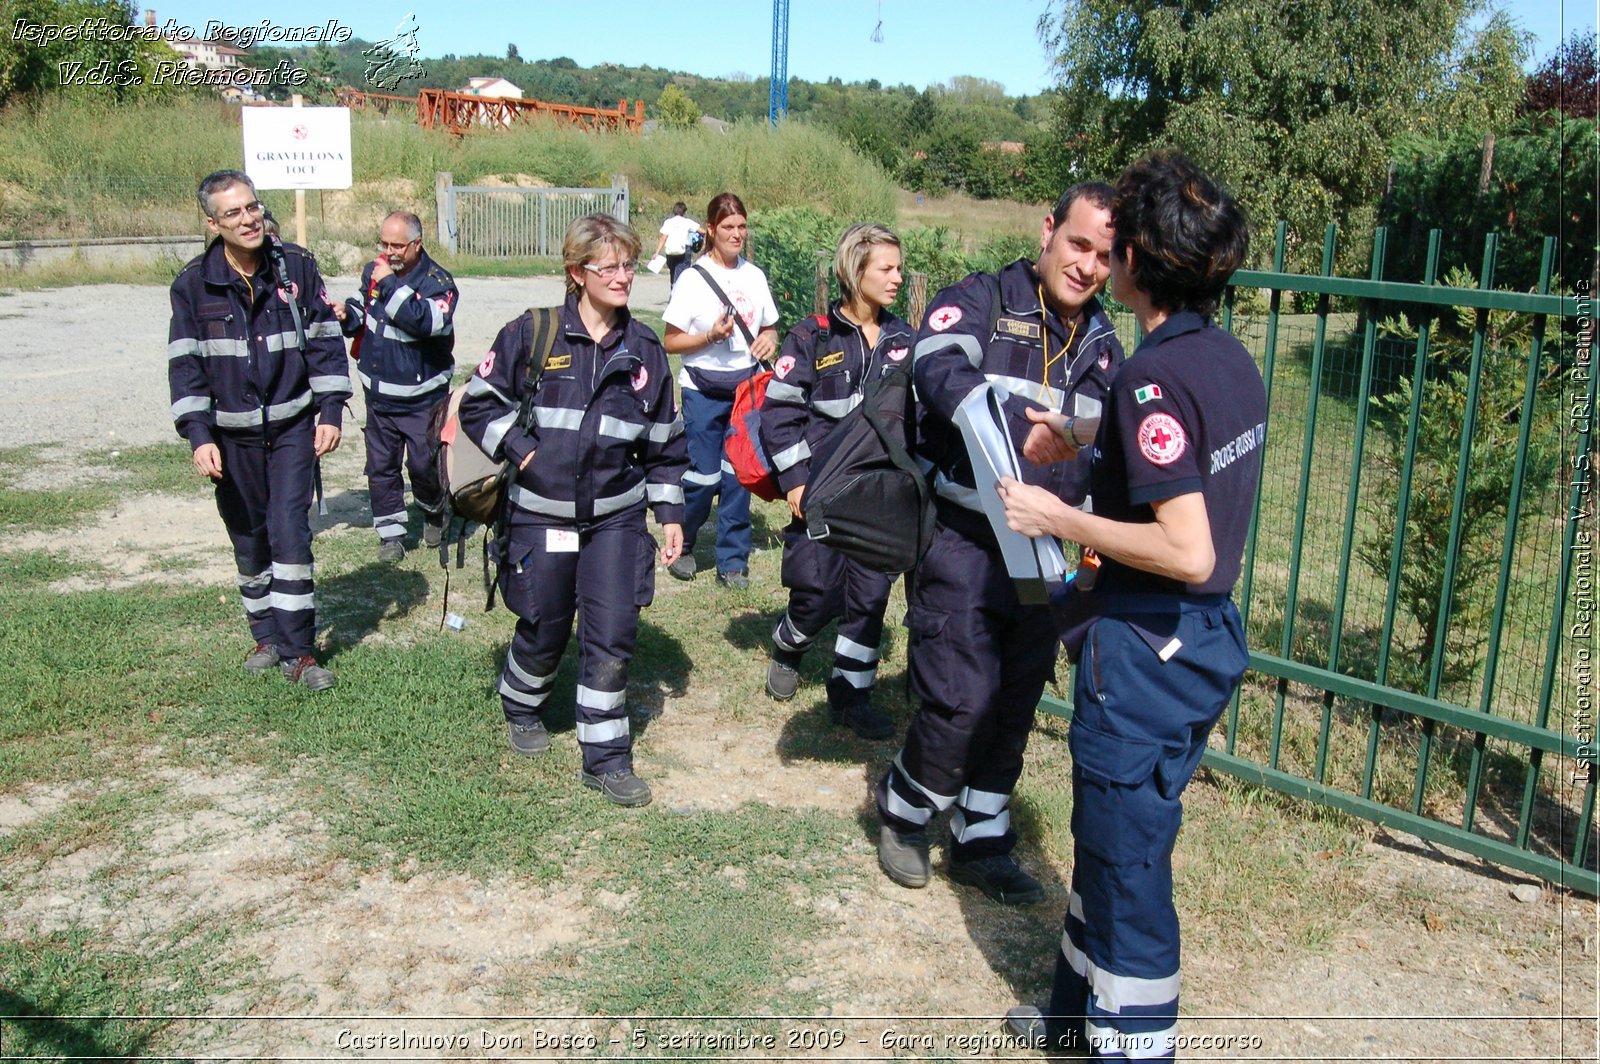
(486,367)
(1161,439)
(641,377)
(943,318)
(898,354)
(784,365)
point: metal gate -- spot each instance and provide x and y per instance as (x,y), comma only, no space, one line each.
(503,223)
(1419,584)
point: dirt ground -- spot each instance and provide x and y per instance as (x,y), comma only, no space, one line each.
(86,373)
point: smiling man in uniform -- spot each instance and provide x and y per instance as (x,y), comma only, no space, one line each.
(979,658)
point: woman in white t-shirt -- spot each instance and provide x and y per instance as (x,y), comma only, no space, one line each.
(721,320)
(677,233)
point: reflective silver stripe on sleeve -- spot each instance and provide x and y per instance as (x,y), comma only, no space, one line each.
(324,385)
(183,348)
(603,732)
(670,494)
(398,300)
(557,417)
(789,457)
(779,392)
(193,404)
(618,429)
(437,313)
(938,341)
(397,334)
(628,498)
(323,330)
(497,429)
(836,408)
(433,383)
(523,499)
(1026,389)
(476,385)
(660,433)
(285,411)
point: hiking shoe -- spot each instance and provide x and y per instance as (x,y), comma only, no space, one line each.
(904,856)
(621,787)
(391,550)
(432,529)
(1033,1029)
(305,671)
(782,681)
(683,567)
(262,658)
(528,739)
(1000,877)
(860,718)
(737,580)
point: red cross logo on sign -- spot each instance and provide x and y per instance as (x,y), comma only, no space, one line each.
(943,318)
(1161,439)
(300,132)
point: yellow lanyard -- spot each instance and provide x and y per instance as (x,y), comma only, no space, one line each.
(1044,330)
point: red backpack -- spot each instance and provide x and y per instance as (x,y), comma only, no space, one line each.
(746,453)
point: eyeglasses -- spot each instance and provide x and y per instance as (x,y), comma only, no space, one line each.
(235,216)
(606,273)
(384,245)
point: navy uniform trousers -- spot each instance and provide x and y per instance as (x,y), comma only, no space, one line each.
(390,435)
(606,580)
(264,498)
(710,476)
(825,586)
(1139,728)
(979,660)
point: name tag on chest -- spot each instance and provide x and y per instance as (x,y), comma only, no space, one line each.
(1023,330)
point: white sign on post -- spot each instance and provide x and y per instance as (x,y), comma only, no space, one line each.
(297,147)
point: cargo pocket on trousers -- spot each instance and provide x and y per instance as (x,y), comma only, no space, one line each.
(1114,800)
(644,591)
(927,666)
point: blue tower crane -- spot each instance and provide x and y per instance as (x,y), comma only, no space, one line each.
(778,91)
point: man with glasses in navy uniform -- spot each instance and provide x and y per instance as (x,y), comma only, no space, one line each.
(403,322)
(258,382)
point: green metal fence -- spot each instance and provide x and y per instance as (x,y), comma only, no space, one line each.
(1399,463)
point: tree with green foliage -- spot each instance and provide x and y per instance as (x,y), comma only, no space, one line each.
(1441,419)
(512,55)
(118,69)
(1293,104)
(675,109)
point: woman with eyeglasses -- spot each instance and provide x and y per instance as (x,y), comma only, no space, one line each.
(721,319)
(594,441)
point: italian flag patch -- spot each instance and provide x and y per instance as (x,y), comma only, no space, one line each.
(1147,393)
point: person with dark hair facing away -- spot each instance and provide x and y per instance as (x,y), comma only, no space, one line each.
(978,657)
(825,364)
(257,374)
(1175,467)
(679,236)
(721,320)
(403,321)
(604,444)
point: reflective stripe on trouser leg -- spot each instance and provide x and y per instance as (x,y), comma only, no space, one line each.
(980,815)
(855,647)
(385,488)
(705,421)
(904,803)
(609,589)
(538,588)
(975,655)
(1138,732)
(264,498)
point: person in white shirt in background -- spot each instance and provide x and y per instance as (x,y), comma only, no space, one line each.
(677,232)
(720,336)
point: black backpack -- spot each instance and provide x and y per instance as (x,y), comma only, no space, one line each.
(866,498)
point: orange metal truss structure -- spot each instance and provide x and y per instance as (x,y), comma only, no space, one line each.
(458,112)
(376,102)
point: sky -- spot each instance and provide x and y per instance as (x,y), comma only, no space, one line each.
(924,41)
